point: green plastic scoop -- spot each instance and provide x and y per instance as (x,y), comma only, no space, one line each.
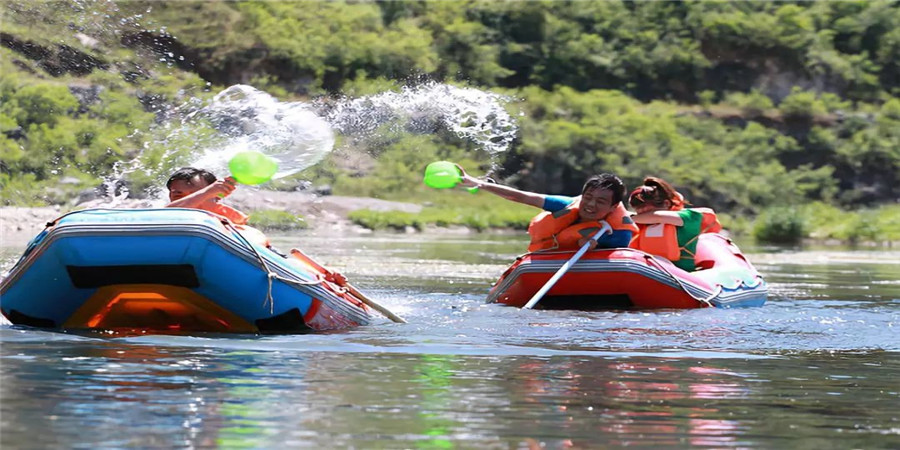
(252,168)
(444,175)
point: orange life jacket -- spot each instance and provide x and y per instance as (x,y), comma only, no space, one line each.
(558,230)
(662,239)
(239,220)
(236,217)
(658,239)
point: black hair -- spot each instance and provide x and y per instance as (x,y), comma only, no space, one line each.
(188,174)
(608,182)
(654,192)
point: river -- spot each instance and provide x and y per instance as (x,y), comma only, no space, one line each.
(816,367)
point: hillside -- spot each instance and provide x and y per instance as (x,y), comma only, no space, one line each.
(743,105)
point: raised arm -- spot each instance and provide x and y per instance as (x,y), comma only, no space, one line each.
(664,217)
(208,194)
(524,197)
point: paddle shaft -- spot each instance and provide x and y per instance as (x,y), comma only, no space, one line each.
(350,288)
(565,267)
(386,312)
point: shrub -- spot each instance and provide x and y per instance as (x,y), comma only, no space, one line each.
(706,98)
(381,220)
(780,225)
(479,212)
(802,104)
(866,225)
(752,104)
(271,219)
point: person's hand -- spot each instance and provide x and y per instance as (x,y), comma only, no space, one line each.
(220,188)
(584,240)
(465,179)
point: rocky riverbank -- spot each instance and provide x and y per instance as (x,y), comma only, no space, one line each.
(324,213)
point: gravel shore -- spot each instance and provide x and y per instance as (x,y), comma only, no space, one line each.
(324,213)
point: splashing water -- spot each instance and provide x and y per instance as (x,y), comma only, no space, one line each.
(298,135)
(250,119)
(472,114)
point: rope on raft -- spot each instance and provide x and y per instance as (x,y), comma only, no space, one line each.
(270,275)
(707,300)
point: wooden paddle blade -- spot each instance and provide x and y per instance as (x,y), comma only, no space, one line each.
(296,253)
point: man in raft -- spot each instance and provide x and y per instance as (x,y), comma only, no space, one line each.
(667,227)
(567,223)
(194,188)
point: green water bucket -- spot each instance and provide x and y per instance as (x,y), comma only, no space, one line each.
(442,175)
(252,168)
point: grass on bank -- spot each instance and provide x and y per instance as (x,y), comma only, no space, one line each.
(820,221)
(784,225)
(480,212)
(271,219)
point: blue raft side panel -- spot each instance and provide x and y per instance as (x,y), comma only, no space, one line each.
(45,289)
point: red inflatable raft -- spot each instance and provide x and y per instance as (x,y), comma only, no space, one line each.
(625,278)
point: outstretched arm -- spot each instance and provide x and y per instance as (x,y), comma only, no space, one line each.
(524,197)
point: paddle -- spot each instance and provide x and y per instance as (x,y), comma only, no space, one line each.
(296,253)
(256,168)
(444,175)
(565,267)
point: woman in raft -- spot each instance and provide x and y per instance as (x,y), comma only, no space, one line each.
(567,223)
(667,227)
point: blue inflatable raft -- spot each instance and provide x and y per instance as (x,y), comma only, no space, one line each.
(170,270)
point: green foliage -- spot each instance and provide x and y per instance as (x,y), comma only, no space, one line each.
(706,98)
(737,225)
(479,212)
(272,219)
(17,191)
(802,104)
(28,190)
(829,222)
(353,38)
(884,220)
(570,136)
(821,221)
(601,85)
(779,226)
(35,104)
(753,104)
(362,86)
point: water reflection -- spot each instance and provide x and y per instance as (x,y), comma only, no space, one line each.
(633,401)
(151,394)
(818,363)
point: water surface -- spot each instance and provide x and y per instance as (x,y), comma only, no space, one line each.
(814,368)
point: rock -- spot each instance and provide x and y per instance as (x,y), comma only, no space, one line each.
(69,180)
(86,95)
(87,41)
(87,195)
(322,190)
(326,215)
